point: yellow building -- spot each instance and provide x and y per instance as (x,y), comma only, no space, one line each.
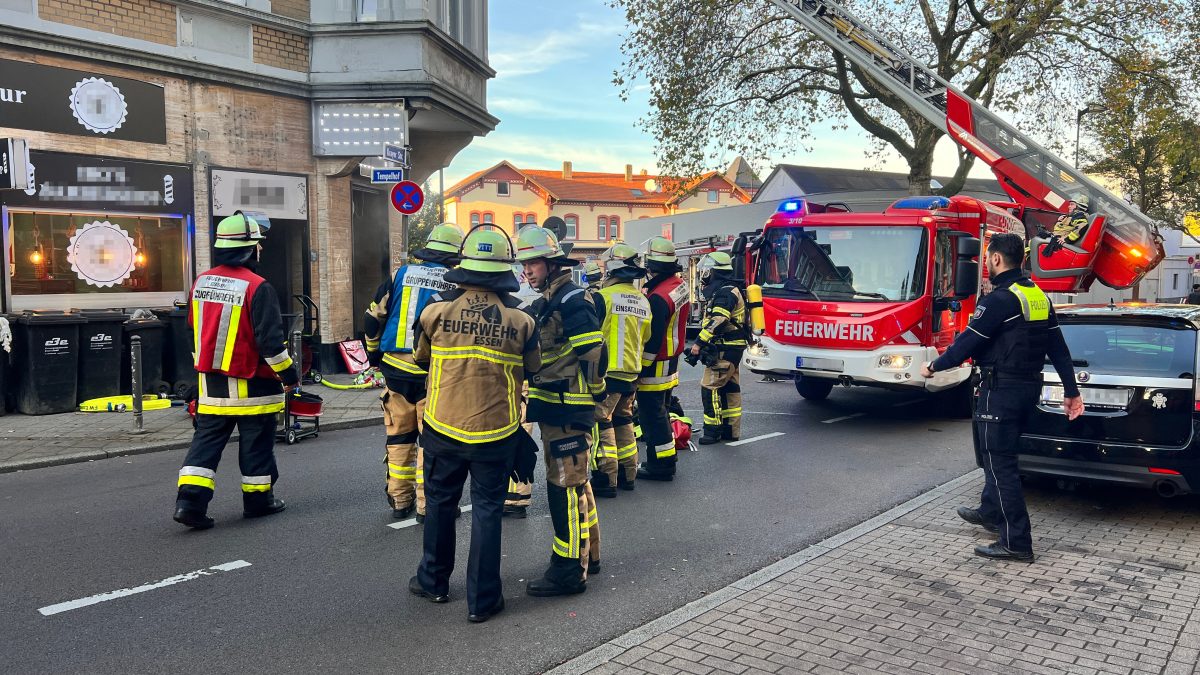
(594,205)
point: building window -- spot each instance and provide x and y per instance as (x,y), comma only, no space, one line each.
(517,220)
(531,219)
(602,228)
(614,228)
(474,218)
(713,196)
(85,259)
(489,218)
(572,221)
(365,10)
(502,189)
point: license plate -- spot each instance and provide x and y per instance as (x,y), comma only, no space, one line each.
(1093,396)
(816,363)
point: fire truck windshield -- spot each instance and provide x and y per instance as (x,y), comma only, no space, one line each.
(846,264)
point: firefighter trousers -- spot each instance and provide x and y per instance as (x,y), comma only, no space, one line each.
(656,431)
(520,494)
(402,411)
(616,452)
(572,505)
(1000,415)
(256,457)
(444,479)
(721,392)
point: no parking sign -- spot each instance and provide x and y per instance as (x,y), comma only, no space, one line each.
(407,197)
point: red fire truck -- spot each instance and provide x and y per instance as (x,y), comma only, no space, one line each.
(867,298)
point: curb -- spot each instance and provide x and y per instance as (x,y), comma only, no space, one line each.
(93,455)
(618,645)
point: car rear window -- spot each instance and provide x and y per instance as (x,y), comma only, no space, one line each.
(1149,351)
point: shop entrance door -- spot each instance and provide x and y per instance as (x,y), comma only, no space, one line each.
(284,261)
(370,247)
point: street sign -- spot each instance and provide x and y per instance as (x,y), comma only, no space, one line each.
(387,175)
(407,197)
(396,153)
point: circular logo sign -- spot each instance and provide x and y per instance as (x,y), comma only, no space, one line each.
(102,254)
(98,105)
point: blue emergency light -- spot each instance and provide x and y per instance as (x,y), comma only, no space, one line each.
(930,203)
(791,206)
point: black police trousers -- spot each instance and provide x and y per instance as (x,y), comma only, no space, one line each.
(444,478)
(1001,412)
(656,431)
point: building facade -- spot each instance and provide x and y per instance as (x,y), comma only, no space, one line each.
(596,206)
(148,121)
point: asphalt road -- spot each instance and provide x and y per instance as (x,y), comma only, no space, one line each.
(326,584)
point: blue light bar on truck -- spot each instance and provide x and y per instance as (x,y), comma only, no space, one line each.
(792,206)
(922,203)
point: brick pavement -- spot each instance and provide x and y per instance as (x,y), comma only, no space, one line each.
(28,442)
(1115,589)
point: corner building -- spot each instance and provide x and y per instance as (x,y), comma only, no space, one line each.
(148,121)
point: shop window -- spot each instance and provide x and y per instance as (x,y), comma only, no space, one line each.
(713,196)
(572,221)
(62,260)
(502,189)
(602,228)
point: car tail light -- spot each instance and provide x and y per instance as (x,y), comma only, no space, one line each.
(1169,472)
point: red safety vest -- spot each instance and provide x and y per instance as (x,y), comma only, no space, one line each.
(222,326)
(675,293)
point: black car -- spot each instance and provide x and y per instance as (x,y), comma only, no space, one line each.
(1136,368)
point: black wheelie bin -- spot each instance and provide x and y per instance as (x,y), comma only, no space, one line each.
(100,354)
(46,355)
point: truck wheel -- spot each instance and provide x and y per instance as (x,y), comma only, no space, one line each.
(813,389)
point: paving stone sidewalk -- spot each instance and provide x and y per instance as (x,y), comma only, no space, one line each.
(29,442)
(1115,589)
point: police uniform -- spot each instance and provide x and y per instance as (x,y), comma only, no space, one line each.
(562,401)
(477,345)
(667,295)
(724,331)
(1011,333)
(240,355)
(389,327)
(625,325)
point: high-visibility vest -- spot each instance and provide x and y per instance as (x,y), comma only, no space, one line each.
(412,287)
(626,328)
(222,328)
(675,293)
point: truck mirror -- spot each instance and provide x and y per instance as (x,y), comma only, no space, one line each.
(966,277)
(968,247)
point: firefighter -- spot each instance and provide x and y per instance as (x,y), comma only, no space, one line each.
(240,354)
(669,309)
(723,337)
(625,325)
(562,401)
(1010,335)
(389,327)
(476,344)
(1070,227)
(592,274)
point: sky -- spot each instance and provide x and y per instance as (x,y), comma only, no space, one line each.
(554,96)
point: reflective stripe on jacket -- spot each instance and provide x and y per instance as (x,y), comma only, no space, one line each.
(222,321)
(675,294)
(626,328)
(571,374)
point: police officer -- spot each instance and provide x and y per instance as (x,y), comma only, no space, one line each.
(562,401)
(669,309)
(625,325)
(476,344)
(1010,335)
(723,335)
(240,356)
(389,326)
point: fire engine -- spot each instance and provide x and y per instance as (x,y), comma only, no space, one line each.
(867,298)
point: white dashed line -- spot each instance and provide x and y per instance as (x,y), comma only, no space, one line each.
(842,418)
(121,593)
(756,438)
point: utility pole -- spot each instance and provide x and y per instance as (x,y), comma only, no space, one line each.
(1079,114)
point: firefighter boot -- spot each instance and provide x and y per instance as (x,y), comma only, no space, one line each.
(563,577)
(601,486)
(712,434)
(645,473)
(187,514)
(258,504)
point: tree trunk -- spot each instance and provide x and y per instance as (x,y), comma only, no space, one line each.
(920,171)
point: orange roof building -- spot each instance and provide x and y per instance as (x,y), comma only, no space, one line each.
(594,205)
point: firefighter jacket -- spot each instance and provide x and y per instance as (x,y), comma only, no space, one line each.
(1011,333)
(564,391)
(238,344)
(724,325)
(1072,226)
(392,316)
(669,310)
(625,325)
(477,345)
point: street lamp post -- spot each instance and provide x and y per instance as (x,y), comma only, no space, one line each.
(1079,114)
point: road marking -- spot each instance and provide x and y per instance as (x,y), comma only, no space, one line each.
(842,418)
(413,521)
(756,438)
(121,593)
(904,403)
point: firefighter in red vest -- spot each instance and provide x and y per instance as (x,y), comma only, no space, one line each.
(240,353)
(669,309)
